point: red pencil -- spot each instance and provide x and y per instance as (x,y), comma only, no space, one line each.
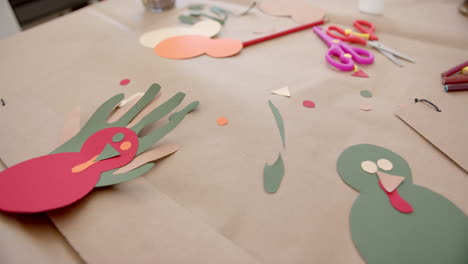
(282,33)
(454,69)
(455,87)
(455,79)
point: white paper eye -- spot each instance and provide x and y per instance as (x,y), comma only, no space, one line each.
(385,164)
(369,166)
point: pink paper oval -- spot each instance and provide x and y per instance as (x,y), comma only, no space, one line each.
(124,82)
(308,104)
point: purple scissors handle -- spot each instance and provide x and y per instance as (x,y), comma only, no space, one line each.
(346,54)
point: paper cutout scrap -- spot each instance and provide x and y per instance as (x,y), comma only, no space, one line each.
(208,28)
(389,182)
(279,121)
(222,121)
(282,91)
(366,93)
(188,19)
(385,164)
(366,107)
(299,10)
(131,98)
(198,14)
(397,201)
(273,175)
(369,166)
(89,158)
(360,73)
(124,82)
(308,104)
(196,7)
(381,226)
(148,156)
(189,46)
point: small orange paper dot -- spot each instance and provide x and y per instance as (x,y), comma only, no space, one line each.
(222,121)
(126,145)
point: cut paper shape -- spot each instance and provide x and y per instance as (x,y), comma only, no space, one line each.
(188,19)
(196,7)
(118,137)
(108,152)
(366,107)
(222,121)
(389,182)
(134,98)
(381,226)
(279,121)
(366,93)
(124,82)
(360,73)
(189,46)
(308,104)
(369,166)
(282,91)
(273,175)
(32,186)
(397,201)
(148,156)
(201,14)
(299,10)
(385,164)
(89,158)
(208,28)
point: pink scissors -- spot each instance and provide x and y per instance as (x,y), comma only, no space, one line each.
(347,54)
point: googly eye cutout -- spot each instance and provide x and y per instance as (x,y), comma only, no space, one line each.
(369,166)
(385,164)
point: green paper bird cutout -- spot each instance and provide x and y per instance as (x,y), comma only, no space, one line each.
(98,121)
(395,221)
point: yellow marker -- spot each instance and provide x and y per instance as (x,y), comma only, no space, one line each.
(465,70)
(347,55)
(362,35)
(335,41)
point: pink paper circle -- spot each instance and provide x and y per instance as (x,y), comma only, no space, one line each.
(124,82)
(308,104)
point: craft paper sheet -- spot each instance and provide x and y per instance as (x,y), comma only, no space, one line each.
(446,130)
(212,187)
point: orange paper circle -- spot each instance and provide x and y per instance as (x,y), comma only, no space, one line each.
(126,145)
(189,46)
(222,121)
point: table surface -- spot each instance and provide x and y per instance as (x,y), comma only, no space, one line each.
(80,58)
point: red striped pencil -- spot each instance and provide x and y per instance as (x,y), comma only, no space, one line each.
(455,87)
(454,69)
(282,33)
(455,79)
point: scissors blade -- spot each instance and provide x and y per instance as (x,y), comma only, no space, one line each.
(380,46)
(390,57)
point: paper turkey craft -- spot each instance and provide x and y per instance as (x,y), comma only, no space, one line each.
(90,158)
(395,221)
